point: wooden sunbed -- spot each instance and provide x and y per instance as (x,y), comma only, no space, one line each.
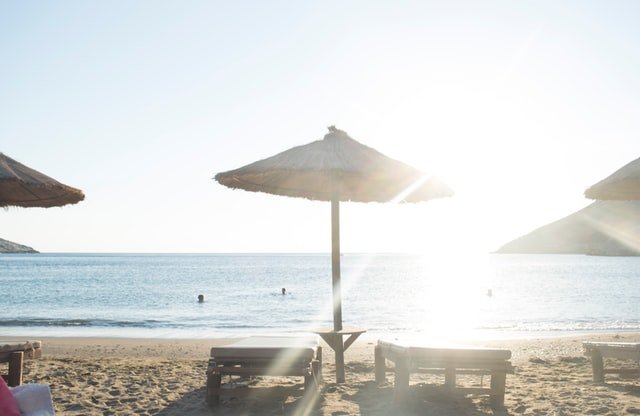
(264,356)
(411,357)
(14,353)
(621,350)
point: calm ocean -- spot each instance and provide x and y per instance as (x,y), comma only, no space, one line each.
(156,295)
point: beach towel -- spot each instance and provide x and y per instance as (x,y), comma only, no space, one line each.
(8,403)
(33,399)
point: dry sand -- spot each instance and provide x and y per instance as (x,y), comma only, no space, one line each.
(98,376)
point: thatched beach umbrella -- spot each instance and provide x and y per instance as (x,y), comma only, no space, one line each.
(622,185)
(22,186)
(336,169)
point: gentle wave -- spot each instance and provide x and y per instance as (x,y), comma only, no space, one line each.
(150,324)
(565,326)
(82,323)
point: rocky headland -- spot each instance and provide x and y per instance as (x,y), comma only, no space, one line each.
(604,228)
(11,247)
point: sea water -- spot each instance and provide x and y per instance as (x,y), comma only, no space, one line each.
(155,295)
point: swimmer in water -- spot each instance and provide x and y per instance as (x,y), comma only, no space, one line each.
(284,291)
(200,298)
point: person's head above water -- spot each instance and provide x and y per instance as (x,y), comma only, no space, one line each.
(200,298)
(284,291)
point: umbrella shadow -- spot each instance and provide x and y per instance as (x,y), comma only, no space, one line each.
(363,395)
(624,385)
(360,395)
(267,400)
(373,399)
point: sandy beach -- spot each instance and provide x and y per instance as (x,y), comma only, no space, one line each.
(111,376)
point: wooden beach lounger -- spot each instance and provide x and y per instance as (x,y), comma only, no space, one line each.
(14,353)
(448,360)
(264,356)
(621,350)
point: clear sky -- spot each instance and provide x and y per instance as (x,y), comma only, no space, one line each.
(517,105)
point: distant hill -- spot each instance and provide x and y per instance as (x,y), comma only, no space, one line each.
(605,228)
(10,247)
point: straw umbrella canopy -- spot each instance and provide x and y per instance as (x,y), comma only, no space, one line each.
(622,185)
(336,168)
(22,186)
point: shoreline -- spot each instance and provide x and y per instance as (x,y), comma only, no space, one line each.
(198,348)
(99,376)
(144,334)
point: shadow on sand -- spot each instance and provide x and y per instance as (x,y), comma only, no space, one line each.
(360,398)
(371,399)
(622,385)
(273,400)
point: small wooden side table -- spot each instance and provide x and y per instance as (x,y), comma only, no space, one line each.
(335,340)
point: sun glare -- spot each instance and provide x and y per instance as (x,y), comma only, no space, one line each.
(453,293)
(409,190)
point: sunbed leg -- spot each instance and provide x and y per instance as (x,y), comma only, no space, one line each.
(498,382)
(319,358)
(14,378)
(380,364)
(312,380)
(597,363)
(214,382)
(401,379)
(450,378)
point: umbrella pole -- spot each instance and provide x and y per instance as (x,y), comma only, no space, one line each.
(335,264)
(335,279)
